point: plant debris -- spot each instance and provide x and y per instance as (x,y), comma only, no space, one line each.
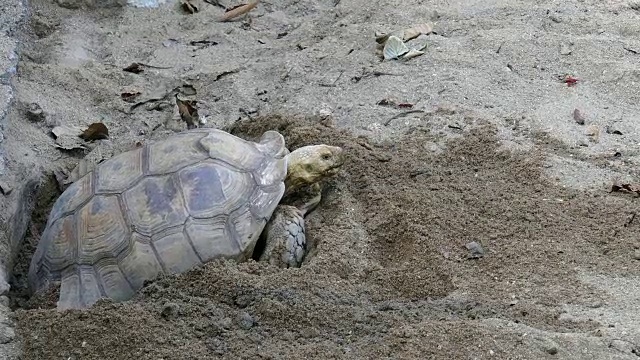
(215,3)
(67,138)
(626,188)
(390,102)
(570,80)
(238,10)
(137,67)
(402,114)
(201,44)
(394,48)
(188,7)
(130,96)
(188,111)
(369,74)
(405,34)
(95,131)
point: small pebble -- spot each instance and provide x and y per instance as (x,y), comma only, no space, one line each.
(552,350)
(170,310)
(5,189)
(636,254)
(565,49)
(475,249)
(622,346)
(578,117)
(245,321)
(35,113)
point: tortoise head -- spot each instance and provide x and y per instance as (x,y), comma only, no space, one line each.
(310,164)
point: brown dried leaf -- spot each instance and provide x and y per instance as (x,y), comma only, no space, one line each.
(405,34)
(188,111)
(95,131)
(188,7)
(417,30)
(238,10)
(135,68)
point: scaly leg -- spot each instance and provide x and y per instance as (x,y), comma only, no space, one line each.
(286,242)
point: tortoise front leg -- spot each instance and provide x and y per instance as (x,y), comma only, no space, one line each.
(286,242)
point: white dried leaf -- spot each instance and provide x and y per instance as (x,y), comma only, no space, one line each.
(394,48)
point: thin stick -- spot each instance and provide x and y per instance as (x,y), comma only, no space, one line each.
(402,114)
(240,10)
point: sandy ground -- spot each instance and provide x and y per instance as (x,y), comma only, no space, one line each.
(495,156)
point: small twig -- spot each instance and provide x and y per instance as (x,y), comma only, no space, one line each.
(633,51)
(402,114)
(333,83)
(285,76)
(366,75)
(240,10)
(156,67)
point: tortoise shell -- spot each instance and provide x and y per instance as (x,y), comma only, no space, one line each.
(163,208)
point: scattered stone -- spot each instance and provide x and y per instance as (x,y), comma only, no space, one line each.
(611,130)
(7,334)
(552,350)
(170,310)
(623,346)
(565,49)
(475,250)
(245,321)
(636,254)
(578,117)
(35,113)
(225,323)
(5,188)
(593,132)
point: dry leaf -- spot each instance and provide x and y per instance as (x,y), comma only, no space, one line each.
(130,96)
(394,48)
(238,10)
(67,138)
(188,111)
(405,34)
(95,131)
(188,7)
(135,68)
(412,53)
(417,30)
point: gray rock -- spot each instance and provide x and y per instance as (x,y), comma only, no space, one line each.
(476,250)
(245,321)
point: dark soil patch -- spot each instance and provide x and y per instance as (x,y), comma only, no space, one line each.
(389,275)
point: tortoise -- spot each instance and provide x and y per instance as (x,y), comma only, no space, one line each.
(169,206)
